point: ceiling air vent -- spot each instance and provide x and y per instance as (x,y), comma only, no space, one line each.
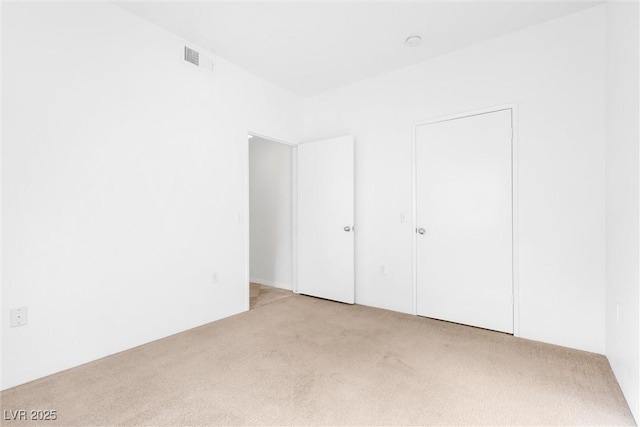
(192,56)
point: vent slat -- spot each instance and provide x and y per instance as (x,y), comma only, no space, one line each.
(192,56)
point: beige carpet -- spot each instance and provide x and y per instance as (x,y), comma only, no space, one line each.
(300,360)
(260,295)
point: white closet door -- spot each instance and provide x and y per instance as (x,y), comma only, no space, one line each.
(326,265)
(464,220)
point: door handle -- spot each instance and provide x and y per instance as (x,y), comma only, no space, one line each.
(347,229)
(421,230)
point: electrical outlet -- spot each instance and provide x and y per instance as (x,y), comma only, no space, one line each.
(404,217)
(214,277)
(18,316)
(383,270)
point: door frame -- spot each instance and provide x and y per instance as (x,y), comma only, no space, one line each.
(515,271)
(247,212)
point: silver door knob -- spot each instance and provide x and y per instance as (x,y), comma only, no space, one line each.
(347,228)
(421,231)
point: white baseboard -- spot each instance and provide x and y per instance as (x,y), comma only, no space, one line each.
(280,285)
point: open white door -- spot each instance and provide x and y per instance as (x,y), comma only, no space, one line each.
(326,218)
(464,220)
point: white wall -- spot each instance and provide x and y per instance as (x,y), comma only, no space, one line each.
(622,195)
(554,72)
(124,175)
(1,198)
(124,179)
(270,184)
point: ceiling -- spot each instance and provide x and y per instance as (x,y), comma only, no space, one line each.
(309,48)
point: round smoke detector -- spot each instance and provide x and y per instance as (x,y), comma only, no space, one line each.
(413,41)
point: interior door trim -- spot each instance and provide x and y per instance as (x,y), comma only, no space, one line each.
(514,200)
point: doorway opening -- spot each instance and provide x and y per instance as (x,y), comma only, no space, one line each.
(271,220)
